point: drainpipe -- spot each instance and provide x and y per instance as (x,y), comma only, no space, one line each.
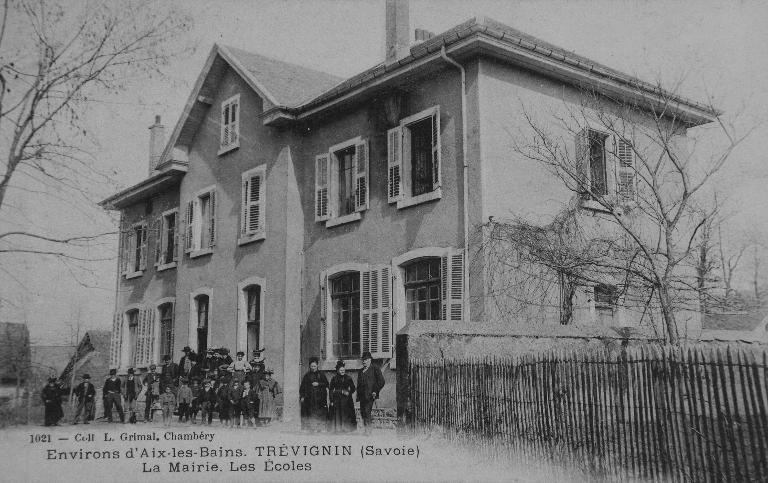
(464,183)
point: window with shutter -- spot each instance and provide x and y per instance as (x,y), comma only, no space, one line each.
(157,233)
(375,329)
(325,337)
(141,236)
(230,124)
(212,219)
(252,224)
(189,220)
(201,223)
(414,159)
(626,183)
(595,158)
(342,182)
(166,329)
(135,250)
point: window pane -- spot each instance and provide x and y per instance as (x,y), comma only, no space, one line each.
(345,300)
(421,156)
(422,290)
(346,181)
(597,163)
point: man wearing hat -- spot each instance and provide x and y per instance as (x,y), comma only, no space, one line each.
(52,400)
(152,380)
(370,381)
(168,374)
(186,362)
(131,393)
(85,392)
(112,394)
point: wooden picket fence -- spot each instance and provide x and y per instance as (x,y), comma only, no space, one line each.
(663,414)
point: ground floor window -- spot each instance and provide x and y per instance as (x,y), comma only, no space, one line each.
(202,306)
(345,303)
(253,319)
(606,297)
(166,329)
(422,289)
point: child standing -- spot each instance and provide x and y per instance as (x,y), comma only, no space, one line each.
(185,399)
(168,403)
(196,390)
(268,391)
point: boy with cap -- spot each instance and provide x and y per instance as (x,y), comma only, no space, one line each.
(85,392)
(168,403)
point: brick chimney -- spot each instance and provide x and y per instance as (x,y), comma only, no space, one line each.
(156,143)
(398,30)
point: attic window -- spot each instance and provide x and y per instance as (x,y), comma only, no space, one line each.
(230,124)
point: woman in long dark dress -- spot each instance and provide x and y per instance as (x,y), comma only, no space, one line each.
(342,405)
(51,395)
(313,394)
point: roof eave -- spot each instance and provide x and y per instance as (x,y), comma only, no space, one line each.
(145,188)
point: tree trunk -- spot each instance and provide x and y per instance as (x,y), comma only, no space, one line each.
(668,315)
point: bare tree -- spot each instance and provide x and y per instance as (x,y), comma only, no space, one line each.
(636,211)
(57,58)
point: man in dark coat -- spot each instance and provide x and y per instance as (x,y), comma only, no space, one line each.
(112,395)
(52,399)
(186,362)
(132,390)
(370,381)
(168,374)
(85,392)
(152,380)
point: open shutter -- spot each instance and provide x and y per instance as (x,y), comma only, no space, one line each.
(375,326)
(176,238)
(321,187)
(245,194)
(157,230)
(125,256)
(212,220)
(626,179)
(189,218)
(361,176)
(254,197)
(582,161)
(436,177)
(115,346)
(143,248)
(325,335)
(452,284)
(394,164)
(224,125)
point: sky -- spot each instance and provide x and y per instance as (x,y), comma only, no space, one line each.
(715,48)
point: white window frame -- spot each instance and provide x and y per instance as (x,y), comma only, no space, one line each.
(125,346)
(162,246)
(226,144)
(192,327)
(403,154)
(132,240)
(332,184)
(156,355)
(197,247)
(245,235)
(242,312)
(329,361)
(614,168)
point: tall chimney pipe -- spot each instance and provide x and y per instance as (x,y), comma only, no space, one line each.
(156,143)
(398,30)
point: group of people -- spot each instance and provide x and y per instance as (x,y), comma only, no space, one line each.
(241,392)
(330,405)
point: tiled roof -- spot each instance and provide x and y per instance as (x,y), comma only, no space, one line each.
(289,84)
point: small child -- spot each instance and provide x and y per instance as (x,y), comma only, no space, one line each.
(185,399)
(168,402)
(196,390)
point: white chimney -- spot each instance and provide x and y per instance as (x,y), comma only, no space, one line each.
(398,30)
(156,143)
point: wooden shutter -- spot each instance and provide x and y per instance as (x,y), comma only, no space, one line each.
(176,238)
(361,176)
(253,213)
(157,229)
(244,196)
(115,346)
(581,162)
(321,187)
(394,164)
(452,284)
(125,257)
(436,176)
(189,218)
(212,219)
(143,247)
(224,125)
(376,320)
(234,124)
(325,337)
(626,179)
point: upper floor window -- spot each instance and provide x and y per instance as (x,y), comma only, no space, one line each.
(230,124)
(166,247)
(252,223)
(414,159)
(422,290)
(607,165)
(200,234)
(341,182)
(135,250)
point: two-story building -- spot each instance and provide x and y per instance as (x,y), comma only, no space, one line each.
(312,215)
